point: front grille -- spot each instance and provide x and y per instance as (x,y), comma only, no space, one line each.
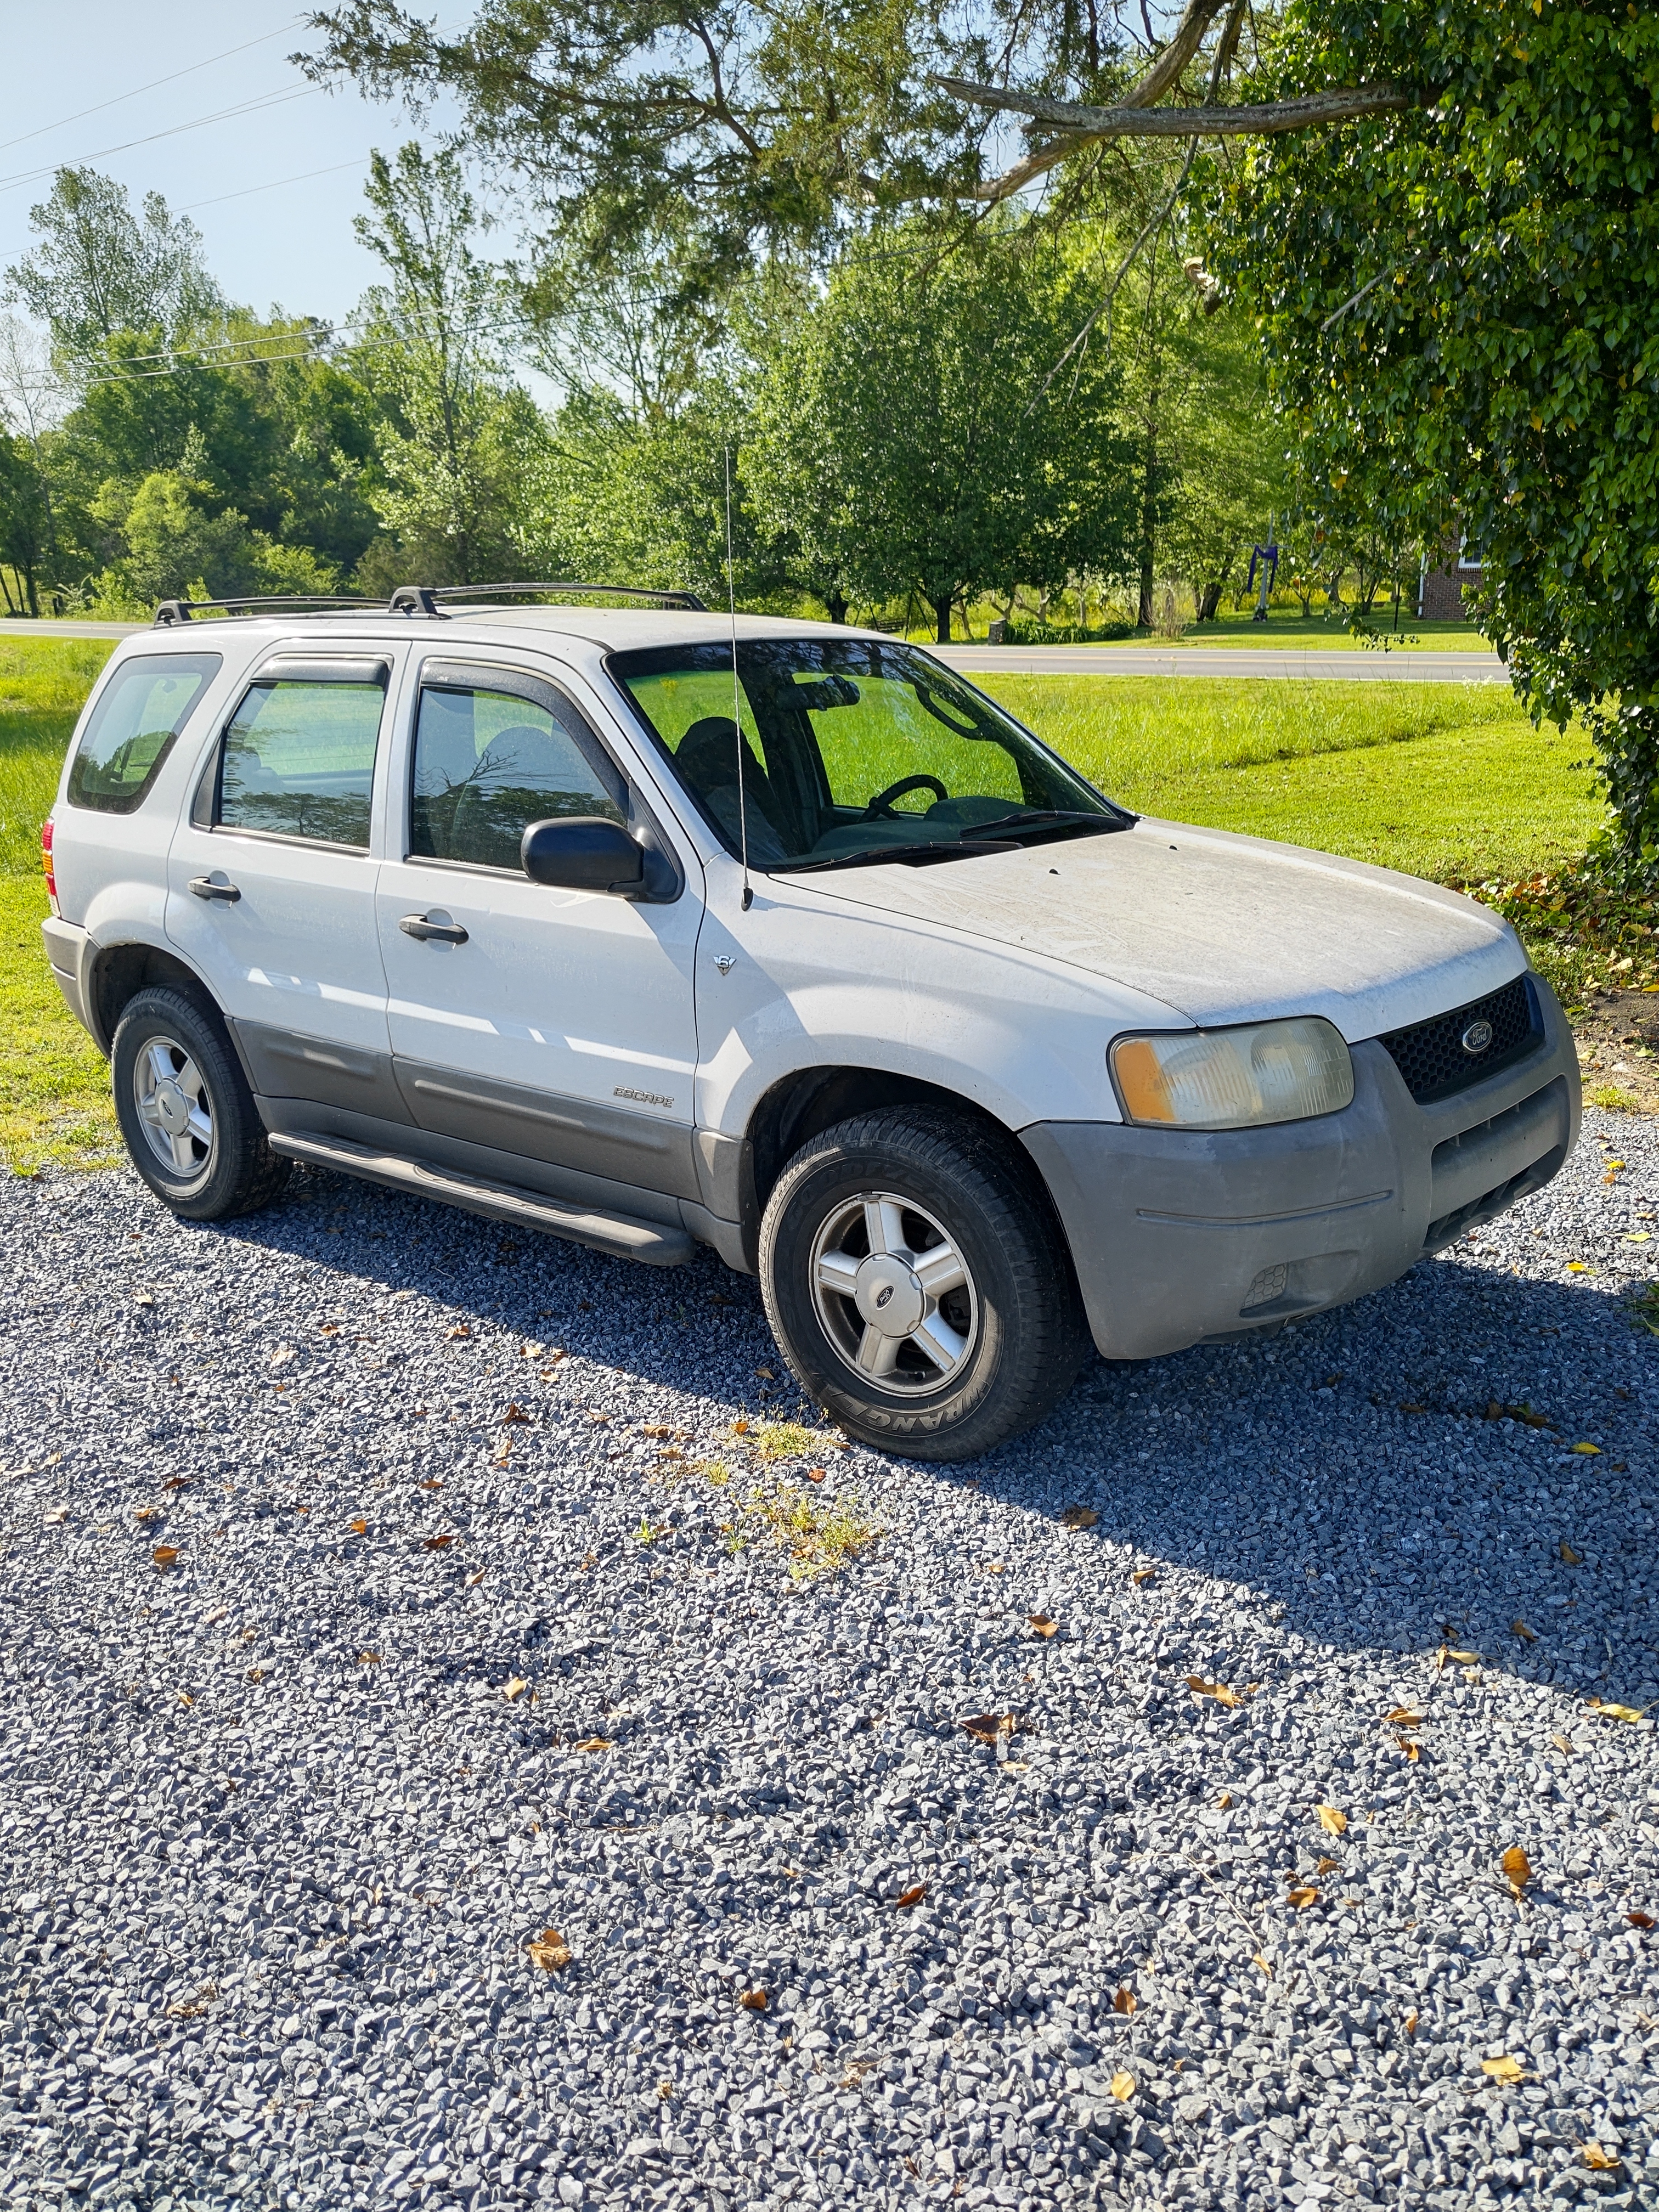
(1433,1060)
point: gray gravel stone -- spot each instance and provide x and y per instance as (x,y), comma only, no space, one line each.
(273,1836)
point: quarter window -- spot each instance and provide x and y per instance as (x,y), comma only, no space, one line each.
(487,763)
(130,732)
(298,760)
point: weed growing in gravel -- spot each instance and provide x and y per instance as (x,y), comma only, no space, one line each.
(775,1440)
(820,1538)
(1609,1095)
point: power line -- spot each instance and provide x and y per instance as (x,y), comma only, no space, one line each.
(223,115)
(81,113)
(190,206)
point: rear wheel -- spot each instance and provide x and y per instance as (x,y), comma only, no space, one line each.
(186,1113)
(918,1286)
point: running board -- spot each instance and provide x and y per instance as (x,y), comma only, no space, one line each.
(622,1234)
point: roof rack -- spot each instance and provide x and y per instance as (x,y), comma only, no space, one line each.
(170,612)
(431,600)
(416,599)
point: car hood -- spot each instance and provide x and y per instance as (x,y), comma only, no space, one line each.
(1221,928)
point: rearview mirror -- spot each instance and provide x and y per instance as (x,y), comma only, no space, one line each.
(582,853)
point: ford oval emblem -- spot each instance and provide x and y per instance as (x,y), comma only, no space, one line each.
(1476,1039)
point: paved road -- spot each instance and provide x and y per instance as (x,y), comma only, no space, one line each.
(1457,668)
(1454,667)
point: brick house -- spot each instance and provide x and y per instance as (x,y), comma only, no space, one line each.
(1440,591)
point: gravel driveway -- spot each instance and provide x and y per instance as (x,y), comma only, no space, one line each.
(385,1597)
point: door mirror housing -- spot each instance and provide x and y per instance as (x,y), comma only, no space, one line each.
(583,852)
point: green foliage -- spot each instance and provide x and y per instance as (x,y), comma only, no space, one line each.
(911,435)
(98,270)
(1461,304)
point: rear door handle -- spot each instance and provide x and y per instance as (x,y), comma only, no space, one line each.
(417,925)
(206,888)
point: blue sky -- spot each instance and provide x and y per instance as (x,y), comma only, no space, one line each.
(287,242)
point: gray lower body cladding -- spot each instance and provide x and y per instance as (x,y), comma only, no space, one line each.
(1178,1237)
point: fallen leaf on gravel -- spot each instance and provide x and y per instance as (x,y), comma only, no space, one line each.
(986,1727)
(1573,1559)
(1525,1633)
(907,1897)
(1413,1751)
(1123,2086)
(1302,1896)
(254,1675)
(177,1482)
(995,1567)
(515,1412)
(594,1743)
(1224,1800)
(815,1474)
(1579,1267)
(1503,2069)
(1334,1822)
(767,1374)
(1412,1406)
(1642,1920)
(1040,1624)
(368,1658)
(1327,1866)
(655,1429)
(1219,1690)
(144,1512)
(329,1329)
(740,1429)
(754,2000)
(194,2008)
(1600,2160)
(184,1698)
(1124,2001)
(359,1527)
(1401,1718)
(1258,1960)
(1587,1449)
(1458,1658)
(514,1687)
(472,1581)
(459,1330)
(549,1951)
(1517,1868)
(1563,1745)
(1411,2023)
(1617,1712)
(1142,1575)
(165,1554)
(1078,1517)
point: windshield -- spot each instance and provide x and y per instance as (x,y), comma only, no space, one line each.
(851,753)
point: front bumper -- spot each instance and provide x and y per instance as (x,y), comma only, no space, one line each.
(1179,1237)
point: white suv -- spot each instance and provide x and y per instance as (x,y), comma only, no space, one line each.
(651,930)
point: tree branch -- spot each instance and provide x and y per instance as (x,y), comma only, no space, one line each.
(1084,125)
(1189,38)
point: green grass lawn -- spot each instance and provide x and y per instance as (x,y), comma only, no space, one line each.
(1447,781)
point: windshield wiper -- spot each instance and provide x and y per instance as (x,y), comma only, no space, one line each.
(875,856)
(1014,826)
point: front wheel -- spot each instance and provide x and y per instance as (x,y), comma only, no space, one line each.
(191,1125)
(918,1284)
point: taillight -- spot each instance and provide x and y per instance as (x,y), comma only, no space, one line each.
(45,861)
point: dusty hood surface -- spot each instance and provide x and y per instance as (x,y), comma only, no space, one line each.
(1221,928)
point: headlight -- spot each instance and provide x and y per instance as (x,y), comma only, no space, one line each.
(1235,1078)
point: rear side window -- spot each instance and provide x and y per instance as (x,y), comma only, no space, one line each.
(487,763)
(129,733)
(299,759)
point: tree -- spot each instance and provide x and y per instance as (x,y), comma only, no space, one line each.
(23,521)
(452,436)
(1462,310)
(100,271)
(914,438)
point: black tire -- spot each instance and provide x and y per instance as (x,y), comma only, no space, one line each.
(1016,1315)
(215,1162)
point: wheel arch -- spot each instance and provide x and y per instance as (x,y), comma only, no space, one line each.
(119,972)
(800,1105)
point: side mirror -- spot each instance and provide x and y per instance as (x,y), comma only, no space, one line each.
(582,853)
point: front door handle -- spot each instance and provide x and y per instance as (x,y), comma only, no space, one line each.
(206,888)
(421,926)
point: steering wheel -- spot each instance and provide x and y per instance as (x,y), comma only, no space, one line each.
(882,801)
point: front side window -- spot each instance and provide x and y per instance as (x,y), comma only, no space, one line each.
(489,764)
(298,760)
(848,752)
(130,732)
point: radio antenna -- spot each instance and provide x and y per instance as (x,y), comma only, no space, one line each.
(737,696)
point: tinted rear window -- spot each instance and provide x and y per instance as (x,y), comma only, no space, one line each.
(139,712)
